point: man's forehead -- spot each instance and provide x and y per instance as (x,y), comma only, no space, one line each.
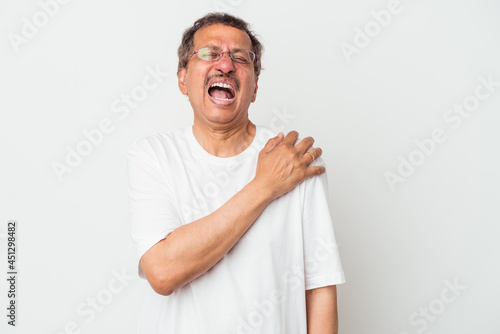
(222,35)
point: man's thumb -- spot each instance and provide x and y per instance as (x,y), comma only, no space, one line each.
(273,142)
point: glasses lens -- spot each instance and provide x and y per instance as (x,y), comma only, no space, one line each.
(242,56)
(209,53)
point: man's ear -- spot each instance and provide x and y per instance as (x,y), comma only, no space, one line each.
(254,97)
(181,80)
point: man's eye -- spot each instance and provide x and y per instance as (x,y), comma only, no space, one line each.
(239,56)
(208,53)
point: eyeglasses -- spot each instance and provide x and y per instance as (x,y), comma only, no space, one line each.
(212,53)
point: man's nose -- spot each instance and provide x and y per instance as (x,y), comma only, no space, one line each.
(225,64)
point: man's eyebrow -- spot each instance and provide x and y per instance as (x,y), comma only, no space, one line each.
(212,46)
(218,47)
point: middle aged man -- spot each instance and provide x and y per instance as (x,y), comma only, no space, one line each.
(231,221)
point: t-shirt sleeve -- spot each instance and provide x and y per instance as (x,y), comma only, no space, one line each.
(321,256)
(153,213)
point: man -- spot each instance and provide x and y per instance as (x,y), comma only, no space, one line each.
(231,221)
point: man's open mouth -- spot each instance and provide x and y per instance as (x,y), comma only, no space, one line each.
(222,91)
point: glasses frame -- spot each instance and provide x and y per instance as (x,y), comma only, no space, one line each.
(221,54)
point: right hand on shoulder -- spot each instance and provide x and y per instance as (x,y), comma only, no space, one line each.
(282,166)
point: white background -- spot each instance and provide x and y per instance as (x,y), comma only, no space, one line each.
(399,246)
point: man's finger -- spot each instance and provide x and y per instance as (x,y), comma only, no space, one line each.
(314,171)
(305,144)
(313,154)
(273,142)
(291,137)
(280,136)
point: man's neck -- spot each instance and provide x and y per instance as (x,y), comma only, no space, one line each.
(226,142)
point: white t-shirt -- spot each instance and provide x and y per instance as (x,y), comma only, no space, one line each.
(259,285)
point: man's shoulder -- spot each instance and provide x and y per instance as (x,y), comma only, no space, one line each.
(161,141)
(263,134)
(265,130)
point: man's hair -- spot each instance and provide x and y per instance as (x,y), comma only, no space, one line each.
(187,44)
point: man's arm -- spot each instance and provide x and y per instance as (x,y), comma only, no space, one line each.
(321,308)
(192,249)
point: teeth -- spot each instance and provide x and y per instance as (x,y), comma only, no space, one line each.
(223,85)
(222,99)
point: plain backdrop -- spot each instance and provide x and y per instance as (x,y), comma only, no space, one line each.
(421,254)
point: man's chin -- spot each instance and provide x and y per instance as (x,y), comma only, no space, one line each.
(219,114)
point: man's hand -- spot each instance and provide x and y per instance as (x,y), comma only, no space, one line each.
(282,166)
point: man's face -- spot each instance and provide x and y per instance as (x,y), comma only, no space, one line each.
(213,103)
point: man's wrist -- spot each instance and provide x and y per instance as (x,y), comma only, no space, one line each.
(261,191)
